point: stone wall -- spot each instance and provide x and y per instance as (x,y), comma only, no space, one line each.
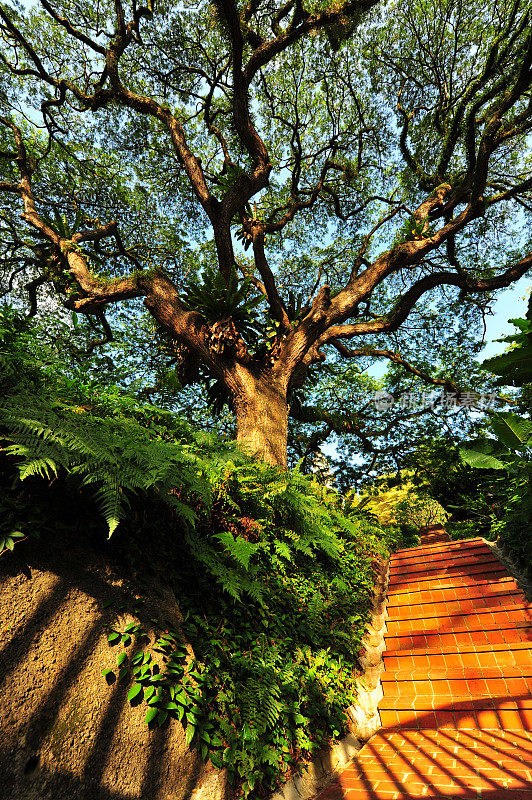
(66,733)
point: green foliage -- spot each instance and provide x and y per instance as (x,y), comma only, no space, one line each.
(272,676)
(514,438)
(217,300)
(514,367)
(273,572)
(509,451)
(420,510)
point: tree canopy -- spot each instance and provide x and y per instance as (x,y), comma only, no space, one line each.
(282,184)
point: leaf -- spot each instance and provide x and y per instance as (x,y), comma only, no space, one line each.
(514,366)
(483,454)
(130,627)
(124,672)
(511,430)
(135,690)
(106,672)
(238,548)
(189,735)
(114,636)
(162,717)
(150,715)
(121,658)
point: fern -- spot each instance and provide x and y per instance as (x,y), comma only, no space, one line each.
(116,457)
(239,549)
(259,699)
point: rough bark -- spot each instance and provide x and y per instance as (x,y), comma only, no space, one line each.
(261,410)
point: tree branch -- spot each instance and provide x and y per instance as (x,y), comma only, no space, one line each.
(397,359)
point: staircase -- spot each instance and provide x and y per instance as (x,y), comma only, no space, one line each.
(457,705)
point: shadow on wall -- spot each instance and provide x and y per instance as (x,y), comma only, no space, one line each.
(67,734)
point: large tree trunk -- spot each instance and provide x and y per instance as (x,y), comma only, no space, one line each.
(262,419)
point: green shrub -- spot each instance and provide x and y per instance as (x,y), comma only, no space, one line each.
(274,578)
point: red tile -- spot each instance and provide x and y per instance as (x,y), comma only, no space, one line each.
(509,718)
(487,718)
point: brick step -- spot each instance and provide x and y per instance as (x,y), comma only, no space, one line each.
(459,637)
(507,742)
(440,608)
(397,581)
(406,787)
(477,713)
(390,790)
(495,573)
(406,556)
(498,616)
(450,657)
(450,764)
(435,538)
(465,564)
(502,609)
(431,547)
(459,683)
(429,595)
(521,668)
(437,558)
(458,704)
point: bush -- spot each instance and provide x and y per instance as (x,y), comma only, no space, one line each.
(274,578)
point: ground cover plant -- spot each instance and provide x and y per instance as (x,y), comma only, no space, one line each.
(273,572)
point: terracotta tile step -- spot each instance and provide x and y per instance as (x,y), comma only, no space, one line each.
(457,688)
(506,741)
(503,613)
(448,657)
(445,694)
(410,641)
(452,592)
(391,790)
(447,574)
(450,612)
(495,572)
(461,703)
(457,557)
(463,605)
(408,675)
(411,565)
(521,667)
(479,618)
(411,786)
(415,555)
(385,792)
(434,761)
(505,682)
(477,714)
(435,537)
(480,648)
(495,575)
(430,548)
(465,564)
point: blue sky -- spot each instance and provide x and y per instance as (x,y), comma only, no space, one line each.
(511,304)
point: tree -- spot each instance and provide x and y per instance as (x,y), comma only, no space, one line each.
(366,155)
